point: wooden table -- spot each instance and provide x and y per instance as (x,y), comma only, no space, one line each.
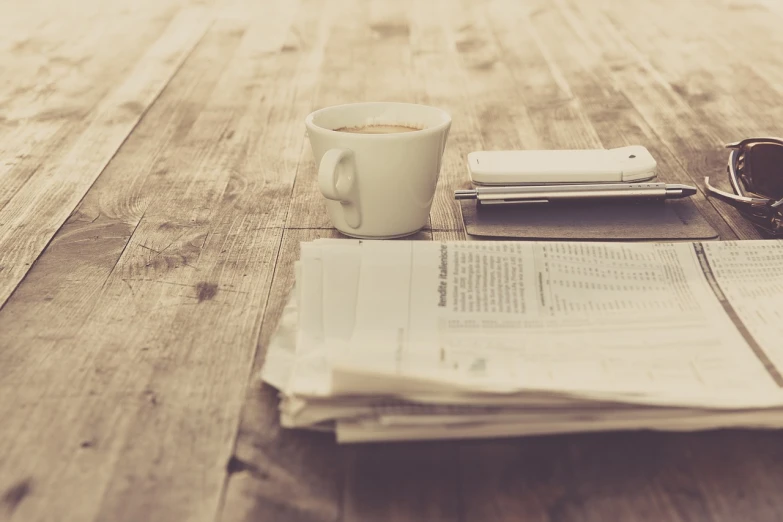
(155,182)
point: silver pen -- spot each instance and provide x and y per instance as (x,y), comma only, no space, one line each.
(547,193)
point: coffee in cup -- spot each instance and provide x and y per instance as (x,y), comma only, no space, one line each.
(378,129)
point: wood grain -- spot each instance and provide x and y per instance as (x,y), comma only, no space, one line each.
(276,474)
(203,255)
(638,477)
(727,93)
(448,235)
(61,75)
(155,183)
(555,111)
(59,291)
(404,482)
(438,80)
(41,206)
(584,85)
(694,143)
(67,55)
(203,250)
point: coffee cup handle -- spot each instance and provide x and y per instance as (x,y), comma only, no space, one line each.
(337,181)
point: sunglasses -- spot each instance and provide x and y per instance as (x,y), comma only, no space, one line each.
(756,175)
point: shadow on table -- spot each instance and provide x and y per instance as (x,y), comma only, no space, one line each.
(729,475)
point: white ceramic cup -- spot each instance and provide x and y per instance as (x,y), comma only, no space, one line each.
(378,186)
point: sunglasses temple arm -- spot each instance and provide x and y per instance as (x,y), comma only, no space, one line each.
(733,199)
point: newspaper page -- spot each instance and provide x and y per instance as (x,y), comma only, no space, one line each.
(747,277)
(370,430)
(327,280)
(669,323)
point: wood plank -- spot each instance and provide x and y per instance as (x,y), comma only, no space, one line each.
(725,91)
(735,97)
(771,6)
(586,478)
(438,78)
(404,482)
(32,34)
(449,235)
(714,476)
(556,112)
(39,208)
(60,75)
(388,75)
(59,291)
(694,144)
(503,122)
(579,108)
(127,346)
(741,27)
(61,53)
(24,148)
(213,224)
(278,474)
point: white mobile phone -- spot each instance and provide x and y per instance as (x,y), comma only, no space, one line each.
(522,167)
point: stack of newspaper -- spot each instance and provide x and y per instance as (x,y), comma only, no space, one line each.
(402,340)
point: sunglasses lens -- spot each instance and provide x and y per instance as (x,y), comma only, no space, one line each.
(764,170)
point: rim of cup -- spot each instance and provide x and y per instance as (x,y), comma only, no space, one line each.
(431,129)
